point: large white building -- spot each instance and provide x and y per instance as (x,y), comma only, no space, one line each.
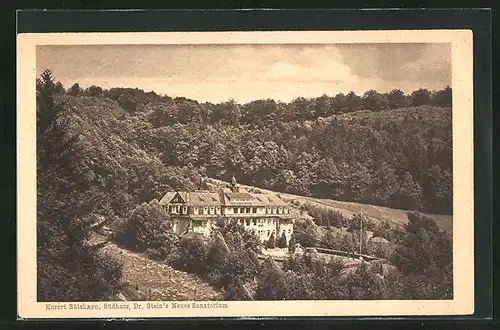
(264,214)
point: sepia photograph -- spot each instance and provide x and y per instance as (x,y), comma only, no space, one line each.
(197,176)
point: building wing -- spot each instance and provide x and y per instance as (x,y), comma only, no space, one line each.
(167,198)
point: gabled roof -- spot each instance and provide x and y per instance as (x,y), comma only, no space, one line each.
(270,199)
(204,199)
(240,196)
(224,197)
(167,198)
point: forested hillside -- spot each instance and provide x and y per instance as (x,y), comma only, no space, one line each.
(321,147)
(101,153)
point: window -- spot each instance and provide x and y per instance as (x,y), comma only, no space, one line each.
(254,210)
(217,210)
(248,222)
(247,210)
(195,210)
(235,210)
(268,233)
(205,210)
(170,209)
(242,210)
(184,209)
(274,210)
(254,222)
(211,210)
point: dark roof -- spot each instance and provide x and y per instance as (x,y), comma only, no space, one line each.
(240,195)
(225,197)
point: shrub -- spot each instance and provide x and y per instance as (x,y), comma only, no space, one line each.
(191,254)
(148,228)
(282,241)
(271,242)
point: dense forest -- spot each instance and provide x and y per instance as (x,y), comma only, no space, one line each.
(102,153)
(388,149)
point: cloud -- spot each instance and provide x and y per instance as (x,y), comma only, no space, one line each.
(328,71)
(247,72)
(422,63)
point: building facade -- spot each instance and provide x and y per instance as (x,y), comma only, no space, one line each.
(264,214)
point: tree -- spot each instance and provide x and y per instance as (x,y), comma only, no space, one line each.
(191,254)
(443,97)
(425,257)
(271,242)
(409,194)
(363,283)
(68,265)
(291,245)
(305,233)
(59,88)
(420,97)
(94,91)
(282,242)
(270,282)
(397,99)
(375,101)
(75,90)
(260,112)
(226,113)
(330,240)
(353,102)
(148,227)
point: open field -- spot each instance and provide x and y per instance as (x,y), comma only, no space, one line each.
(376,213)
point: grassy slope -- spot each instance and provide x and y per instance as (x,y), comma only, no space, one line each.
(156,281)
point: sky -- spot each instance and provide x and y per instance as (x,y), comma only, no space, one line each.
(217,73)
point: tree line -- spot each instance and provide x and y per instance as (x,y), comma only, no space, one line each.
(168,110)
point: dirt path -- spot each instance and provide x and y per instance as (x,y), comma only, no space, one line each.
(150,280)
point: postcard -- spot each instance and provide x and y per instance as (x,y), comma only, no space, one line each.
(245,174)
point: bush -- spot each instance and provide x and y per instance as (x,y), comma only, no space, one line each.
(191,254)
(85,277)
(291,245)
(271,242)
(306,233)
(356,219)
(282,241)
(148,228)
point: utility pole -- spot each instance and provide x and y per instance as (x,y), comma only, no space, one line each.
(361,233)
